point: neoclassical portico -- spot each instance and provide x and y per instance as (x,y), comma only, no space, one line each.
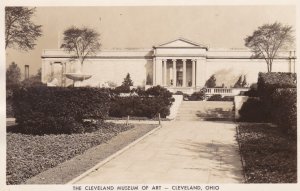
(179,63)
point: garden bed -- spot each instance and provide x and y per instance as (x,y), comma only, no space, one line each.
(269,155)
(29,155)
(138,118)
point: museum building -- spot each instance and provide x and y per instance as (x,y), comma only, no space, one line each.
(179,64)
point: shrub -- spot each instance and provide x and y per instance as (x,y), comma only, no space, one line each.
(252,92)
(252,111)
(56,110)
(219,97)
(216,97)
(142,104)
(139,107)
(179,93)
(198,96)
(121,89)
(267,85)
(228,98)
(138,91)
(277,101)
(269,82)
(284,110)
(159,92)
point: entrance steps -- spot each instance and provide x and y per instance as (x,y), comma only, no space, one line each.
(205,111)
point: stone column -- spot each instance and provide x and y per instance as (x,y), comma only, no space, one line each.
(165,72)
(184,73)
(193,73)
(174,73)
(154,72)
(201,72)
(52,70)
(43,71)
(64,70)
(159,72)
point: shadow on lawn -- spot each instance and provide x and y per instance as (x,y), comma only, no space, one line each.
(216,114)
(223,159)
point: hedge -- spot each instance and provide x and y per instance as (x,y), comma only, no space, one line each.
(276,102)
(9,99)
(284,110)
(253,111)
(141,103)
(268,83)
(56,110)
(218,97)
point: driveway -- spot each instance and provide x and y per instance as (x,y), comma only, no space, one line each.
(179,152)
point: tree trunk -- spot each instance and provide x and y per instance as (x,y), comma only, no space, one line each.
(269,65)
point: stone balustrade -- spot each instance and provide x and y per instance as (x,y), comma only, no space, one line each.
(225,91)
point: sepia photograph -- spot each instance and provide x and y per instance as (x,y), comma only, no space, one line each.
(165,96)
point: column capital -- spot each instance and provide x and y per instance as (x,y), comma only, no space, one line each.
(183,60)
(174,60)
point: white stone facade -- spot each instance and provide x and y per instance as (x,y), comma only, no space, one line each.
(178,64)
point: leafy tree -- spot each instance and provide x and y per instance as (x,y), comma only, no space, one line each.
(82,42)
(244,83)
(13,75)
(268,39)
(211,82)
(20,31)
(238,84)
(127,81)
(148,80)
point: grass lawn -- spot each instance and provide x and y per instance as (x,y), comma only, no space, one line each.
(28,155)
(270,156)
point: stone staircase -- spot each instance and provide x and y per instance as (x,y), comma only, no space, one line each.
(205,111)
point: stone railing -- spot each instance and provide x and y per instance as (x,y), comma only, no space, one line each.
(186,90)
(225,91)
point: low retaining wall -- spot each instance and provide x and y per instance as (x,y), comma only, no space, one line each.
(175,106)
(238,103)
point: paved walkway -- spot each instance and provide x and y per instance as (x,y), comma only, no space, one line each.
(179,152)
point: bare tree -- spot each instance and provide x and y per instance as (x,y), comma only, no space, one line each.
(20,31)
(268,39)
(82,42)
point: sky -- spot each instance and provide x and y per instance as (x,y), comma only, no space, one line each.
(146,26)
